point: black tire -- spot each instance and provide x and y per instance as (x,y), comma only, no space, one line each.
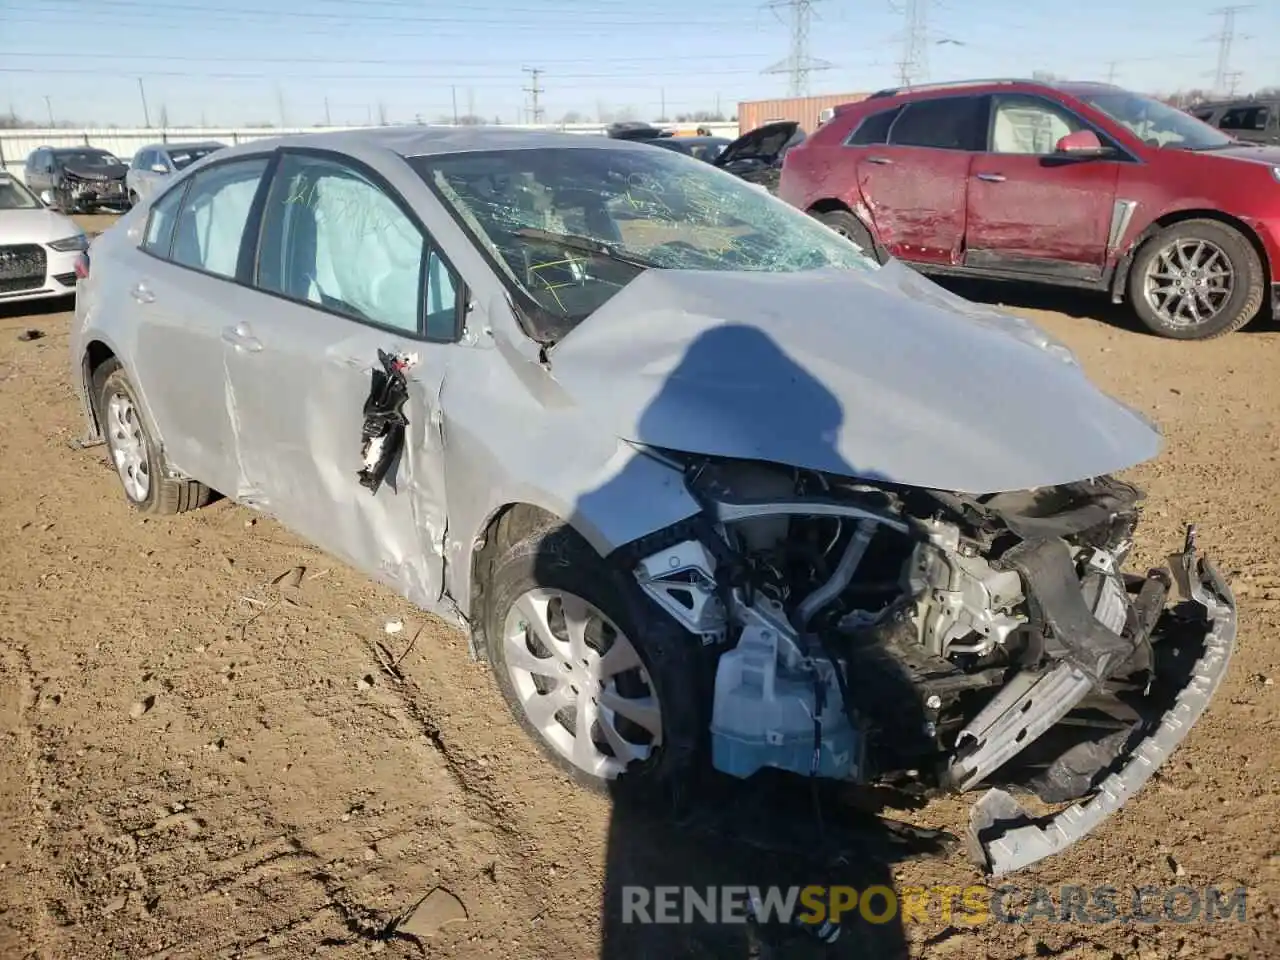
(1246,297)
(556,557)
(165,494)
(847,225)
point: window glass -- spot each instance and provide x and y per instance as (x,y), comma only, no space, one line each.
(568,227)
(873,129)
(1029,125)
(211,223)
(1244,118)
(1154,123)
(442,299)
(333,238)
(947,123)
(159,236)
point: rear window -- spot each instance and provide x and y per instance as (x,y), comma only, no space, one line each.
(945,123)
(874,129)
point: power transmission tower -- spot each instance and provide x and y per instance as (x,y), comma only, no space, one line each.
(914,65)
(1226,38)
(1112,69)
(798,64)
(534,91)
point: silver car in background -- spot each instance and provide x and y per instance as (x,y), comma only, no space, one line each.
(704,484)
(156,163)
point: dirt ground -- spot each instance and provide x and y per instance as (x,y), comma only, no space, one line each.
(196,762)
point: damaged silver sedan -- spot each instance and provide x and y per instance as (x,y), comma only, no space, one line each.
(706,486)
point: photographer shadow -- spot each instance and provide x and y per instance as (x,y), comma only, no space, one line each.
(712,837)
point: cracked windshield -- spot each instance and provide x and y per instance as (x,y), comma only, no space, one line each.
(569,228)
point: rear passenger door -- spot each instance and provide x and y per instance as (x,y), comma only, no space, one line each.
(913,173)
(345,269)
(183,293)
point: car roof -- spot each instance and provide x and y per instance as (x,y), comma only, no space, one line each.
(1075,87)
(78,150)
(182,145)
(425,141)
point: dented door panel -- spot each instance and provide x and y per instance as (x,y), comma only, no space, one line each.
(1040,214)
(297,411)
(916,197)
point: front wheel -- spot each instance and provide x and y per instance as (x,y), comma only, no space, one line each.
(1196,280)
(591,668)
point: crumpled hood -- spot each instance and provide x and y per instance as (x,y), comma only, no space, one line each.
(880,375)
(115,171)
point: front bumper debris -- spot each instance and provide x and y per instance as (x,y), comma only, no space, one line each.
(1003,837)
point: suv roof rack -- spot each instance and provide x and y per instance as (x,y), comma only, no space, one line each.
(955,84)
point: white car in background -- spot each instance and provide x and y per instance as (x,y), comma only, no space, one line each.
(39,248)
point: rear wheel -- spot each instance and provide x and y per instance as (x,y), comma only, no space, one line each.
(603,680)
(847,225)
(134,451)
(1196,280)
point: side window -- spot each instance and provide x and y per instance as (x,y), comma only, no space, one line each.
(333,238)
(159,236)
(210,224)
(873,129)
(139,160)
(945,123)
(1244,118)
(1029,125)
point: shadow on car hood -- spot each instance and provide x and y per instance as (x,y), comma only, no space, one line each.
(881,375)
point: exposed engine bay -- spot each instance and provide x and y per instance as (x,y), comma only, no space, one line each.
(83,189)
(930,641)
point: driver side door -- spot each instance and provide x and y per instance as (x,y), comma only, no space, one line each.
(1034,211)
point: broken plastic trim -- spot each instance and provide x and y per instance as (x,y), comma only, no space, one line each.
(382,435)
(1003,837)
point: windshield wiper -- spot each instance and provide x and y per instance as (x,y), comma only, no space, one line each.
(589,245)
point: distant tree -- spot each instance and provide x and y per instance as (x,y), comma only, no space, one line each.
(471,120)
(573,116)
(626,113)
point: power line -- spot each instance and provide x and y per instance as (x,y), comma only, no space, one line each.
(914,65)
(534,92)
(1225,40)
(798,63)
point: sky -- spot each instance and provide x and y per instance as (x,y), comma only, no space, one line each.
(302,62)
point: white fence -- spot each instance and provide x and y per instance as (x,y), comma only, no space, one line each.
(16,145)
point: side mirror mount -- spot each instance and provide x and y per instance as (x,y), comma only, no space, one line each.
(159,168)
(46,197)
(1082,143)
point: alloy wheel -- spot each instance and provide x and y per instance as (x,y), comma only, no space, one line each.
(1189,282)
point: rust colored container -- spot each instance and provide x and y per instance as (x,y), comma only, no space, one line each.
(804,110)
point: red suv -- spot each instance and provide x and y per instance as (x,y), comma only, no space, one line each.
(1077,184)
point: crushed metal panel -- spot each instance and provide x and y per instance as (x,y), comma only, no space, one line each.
(836,371)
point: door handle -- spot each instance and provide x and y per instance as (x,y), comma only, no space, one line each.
(882,161)
(991,177)
(241,337)
(142,293)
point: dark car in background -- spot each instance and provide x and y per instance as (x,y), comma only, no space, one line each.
(1255,120)
(756,156)
(1083,185)
(76,179)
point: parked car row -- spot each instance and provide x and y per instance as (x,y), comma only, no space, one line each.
(1255,120)
(705,484)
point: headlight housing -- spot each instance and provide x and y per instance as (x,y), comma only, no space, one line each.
(1275,172)
(67,244)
